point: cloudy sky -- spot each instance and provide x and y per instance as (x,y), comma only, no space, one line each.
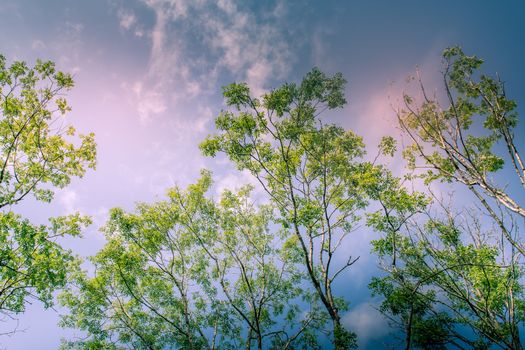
(148,76)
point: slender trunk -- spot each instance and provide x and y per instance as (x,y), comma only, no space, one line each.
(514,330)
(189,331)
(516,342)
(259,341)
(249,339)
(408,338)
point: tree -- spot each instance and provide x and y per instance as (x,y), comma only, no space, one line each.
(190,273)
(36,145)
(37,154)
(451,277)
(459,142)
(447,273)
(313,173)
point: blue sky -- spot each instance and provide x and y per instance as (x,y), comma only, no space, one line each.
(148,76)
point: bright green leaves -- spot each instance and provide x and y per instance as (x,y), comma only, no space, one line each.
(71,225)
(32,263)
(237,95)
(440,279)
(192,273)
(312,172)
(448,234)
(387,146)
(206,274)
(447,138)
(37,154)
(64,80)
(456,271)
(210,146)
(138,295)
(279,100)
(33,150)
(461,69)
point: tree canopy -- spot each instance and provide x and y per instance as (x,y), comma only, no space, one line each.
(269,269)
(192,273)
(455,275)
(38,153)
(314,173)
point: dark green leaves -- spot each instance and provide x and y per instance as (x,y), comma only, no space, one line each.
(317,86)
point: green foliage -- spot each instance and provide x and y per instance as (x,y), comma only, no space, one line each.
(343,339)
(191,273)
(312,171)
(459,141)
(449,274)
(387,146)
(37,154)
(32,263)
(37,150)
(438,284)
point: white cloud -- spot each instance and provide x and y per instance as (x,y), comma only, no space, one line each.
(126,19)
(150,104)
(250,48)
(366,321)
(38,45)
(233,181)
(68,199)
(257,75)
(194,42)
(129,22)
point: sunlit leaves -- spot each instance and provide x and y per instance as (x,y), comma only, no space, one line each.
(36,147)
(467,139)
(192,273)
(312,171)
(388,146)
(32,263)
(447,136)
(440,281)
(37,154)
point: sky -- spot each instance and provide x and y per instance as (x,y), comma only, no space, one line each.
(148,76)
